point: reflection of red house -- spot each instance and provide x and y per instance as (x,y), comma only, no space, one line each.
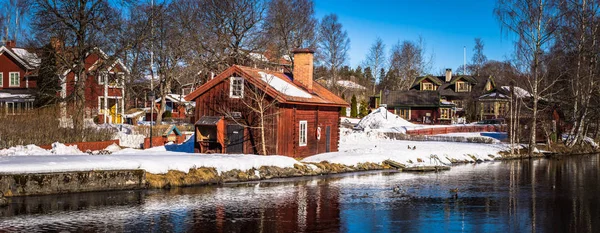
(104,89)
(302,108)
(17,78)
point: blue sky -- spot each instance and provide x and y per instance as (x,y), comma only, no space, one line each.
(447,26)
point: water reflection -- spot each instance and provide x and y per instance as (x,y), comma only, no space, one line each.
(515,196)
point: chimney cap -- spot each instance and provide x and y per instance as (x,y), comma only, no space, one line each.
(303,50)
(448,69)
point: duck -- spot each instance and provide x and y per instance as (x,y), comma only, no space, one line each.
(397,189)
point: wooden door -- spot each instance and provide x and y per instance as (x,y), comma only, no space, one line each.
(235,135)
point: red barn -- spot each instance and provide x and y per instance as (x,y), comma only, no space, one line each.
(268,112)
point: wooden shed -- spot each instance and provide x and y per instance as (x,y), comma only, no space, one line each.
(210,135)
(271,112)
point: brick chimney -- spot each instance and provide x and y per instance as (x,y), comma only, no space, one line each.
(11,44)
(303,67)
(448,75)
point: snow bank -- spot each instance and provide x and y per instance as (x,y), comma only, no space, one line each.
(152,161)
(130,140)
(383,121)
(362,147)
(57,148)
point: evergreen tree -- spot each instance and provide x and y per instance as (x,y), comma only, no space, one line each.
(48,83)
(353,107)
(343,109)
(364,108)
(369,79)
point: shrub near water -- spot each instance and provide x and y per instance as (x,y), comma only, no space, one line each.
(41,127)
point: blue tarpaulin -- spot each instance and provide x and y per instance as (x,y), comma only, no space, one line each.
(187,146)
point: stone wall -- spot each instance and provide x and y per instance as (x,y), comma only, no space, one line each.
(68,182)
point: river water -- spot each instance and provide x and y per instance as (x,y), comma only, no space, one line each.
(541,195)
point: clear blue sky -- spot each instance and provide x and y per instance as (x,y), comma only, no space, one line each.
(447,26)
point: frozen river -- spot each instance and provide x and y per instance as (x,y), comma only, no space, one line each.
(542,195)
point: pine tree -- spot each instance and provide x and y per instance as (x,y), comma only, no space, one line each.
(343,109)
(48,83)
(369,79)
(364,108)
(353,107)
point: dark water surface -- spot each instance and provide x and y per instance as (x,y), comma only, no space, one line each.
(514,196)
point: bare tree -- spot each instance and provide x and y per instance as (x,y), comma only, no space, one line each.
(333,43)
(479,59)
(407,61)
(534,23)
(290,25)
(376,60)
(82,26)
(11,18)
(260,110)
(579,37)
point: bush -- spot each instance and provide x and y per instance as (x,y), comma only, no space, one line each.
(41,127)
(353,107)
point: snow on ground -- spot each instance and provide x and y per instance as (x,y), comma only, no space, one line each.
(57,149)
(349,120)
(151,161)
(382,120)
(362,147)
(130,140)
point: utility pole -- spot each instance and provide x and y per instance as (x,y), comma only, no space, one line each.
(151,70)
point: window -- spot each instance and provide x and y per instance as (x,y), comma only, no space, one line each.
(303,133)
(444,113)
(236,87)
(1,79)
(101,78)
(15,80)
(428,87)
(462,87)
(502,108)
(458,103)
(404,113)
(488,108)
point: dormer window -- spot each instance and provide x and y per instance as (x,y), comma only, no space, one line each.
(236,87)
(462,87)
(428,87)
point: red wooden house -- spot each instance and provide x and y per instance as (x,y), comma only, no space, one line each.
(18,73)
(300,117)
(104,90)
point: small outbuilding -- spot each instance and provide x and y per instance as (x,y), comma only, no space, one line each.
(268,111)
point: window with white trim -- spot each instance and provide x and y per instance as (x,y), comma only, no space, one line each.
(303,133)
(101,78)
(236,87)
(1,79)
(462,87)
(14,79)
(428,87)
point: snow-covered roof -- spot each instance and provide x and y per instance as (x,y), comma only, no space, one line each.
(282,86)
(350,84)
(27,59)
(494,95)
(174,98)
(519,92)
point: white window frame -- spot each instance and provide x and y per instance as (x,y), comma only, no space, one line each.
(1,79)
(428,89)
(303,133)
(465,87)
(10,83)
(101,78)
(232,81)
